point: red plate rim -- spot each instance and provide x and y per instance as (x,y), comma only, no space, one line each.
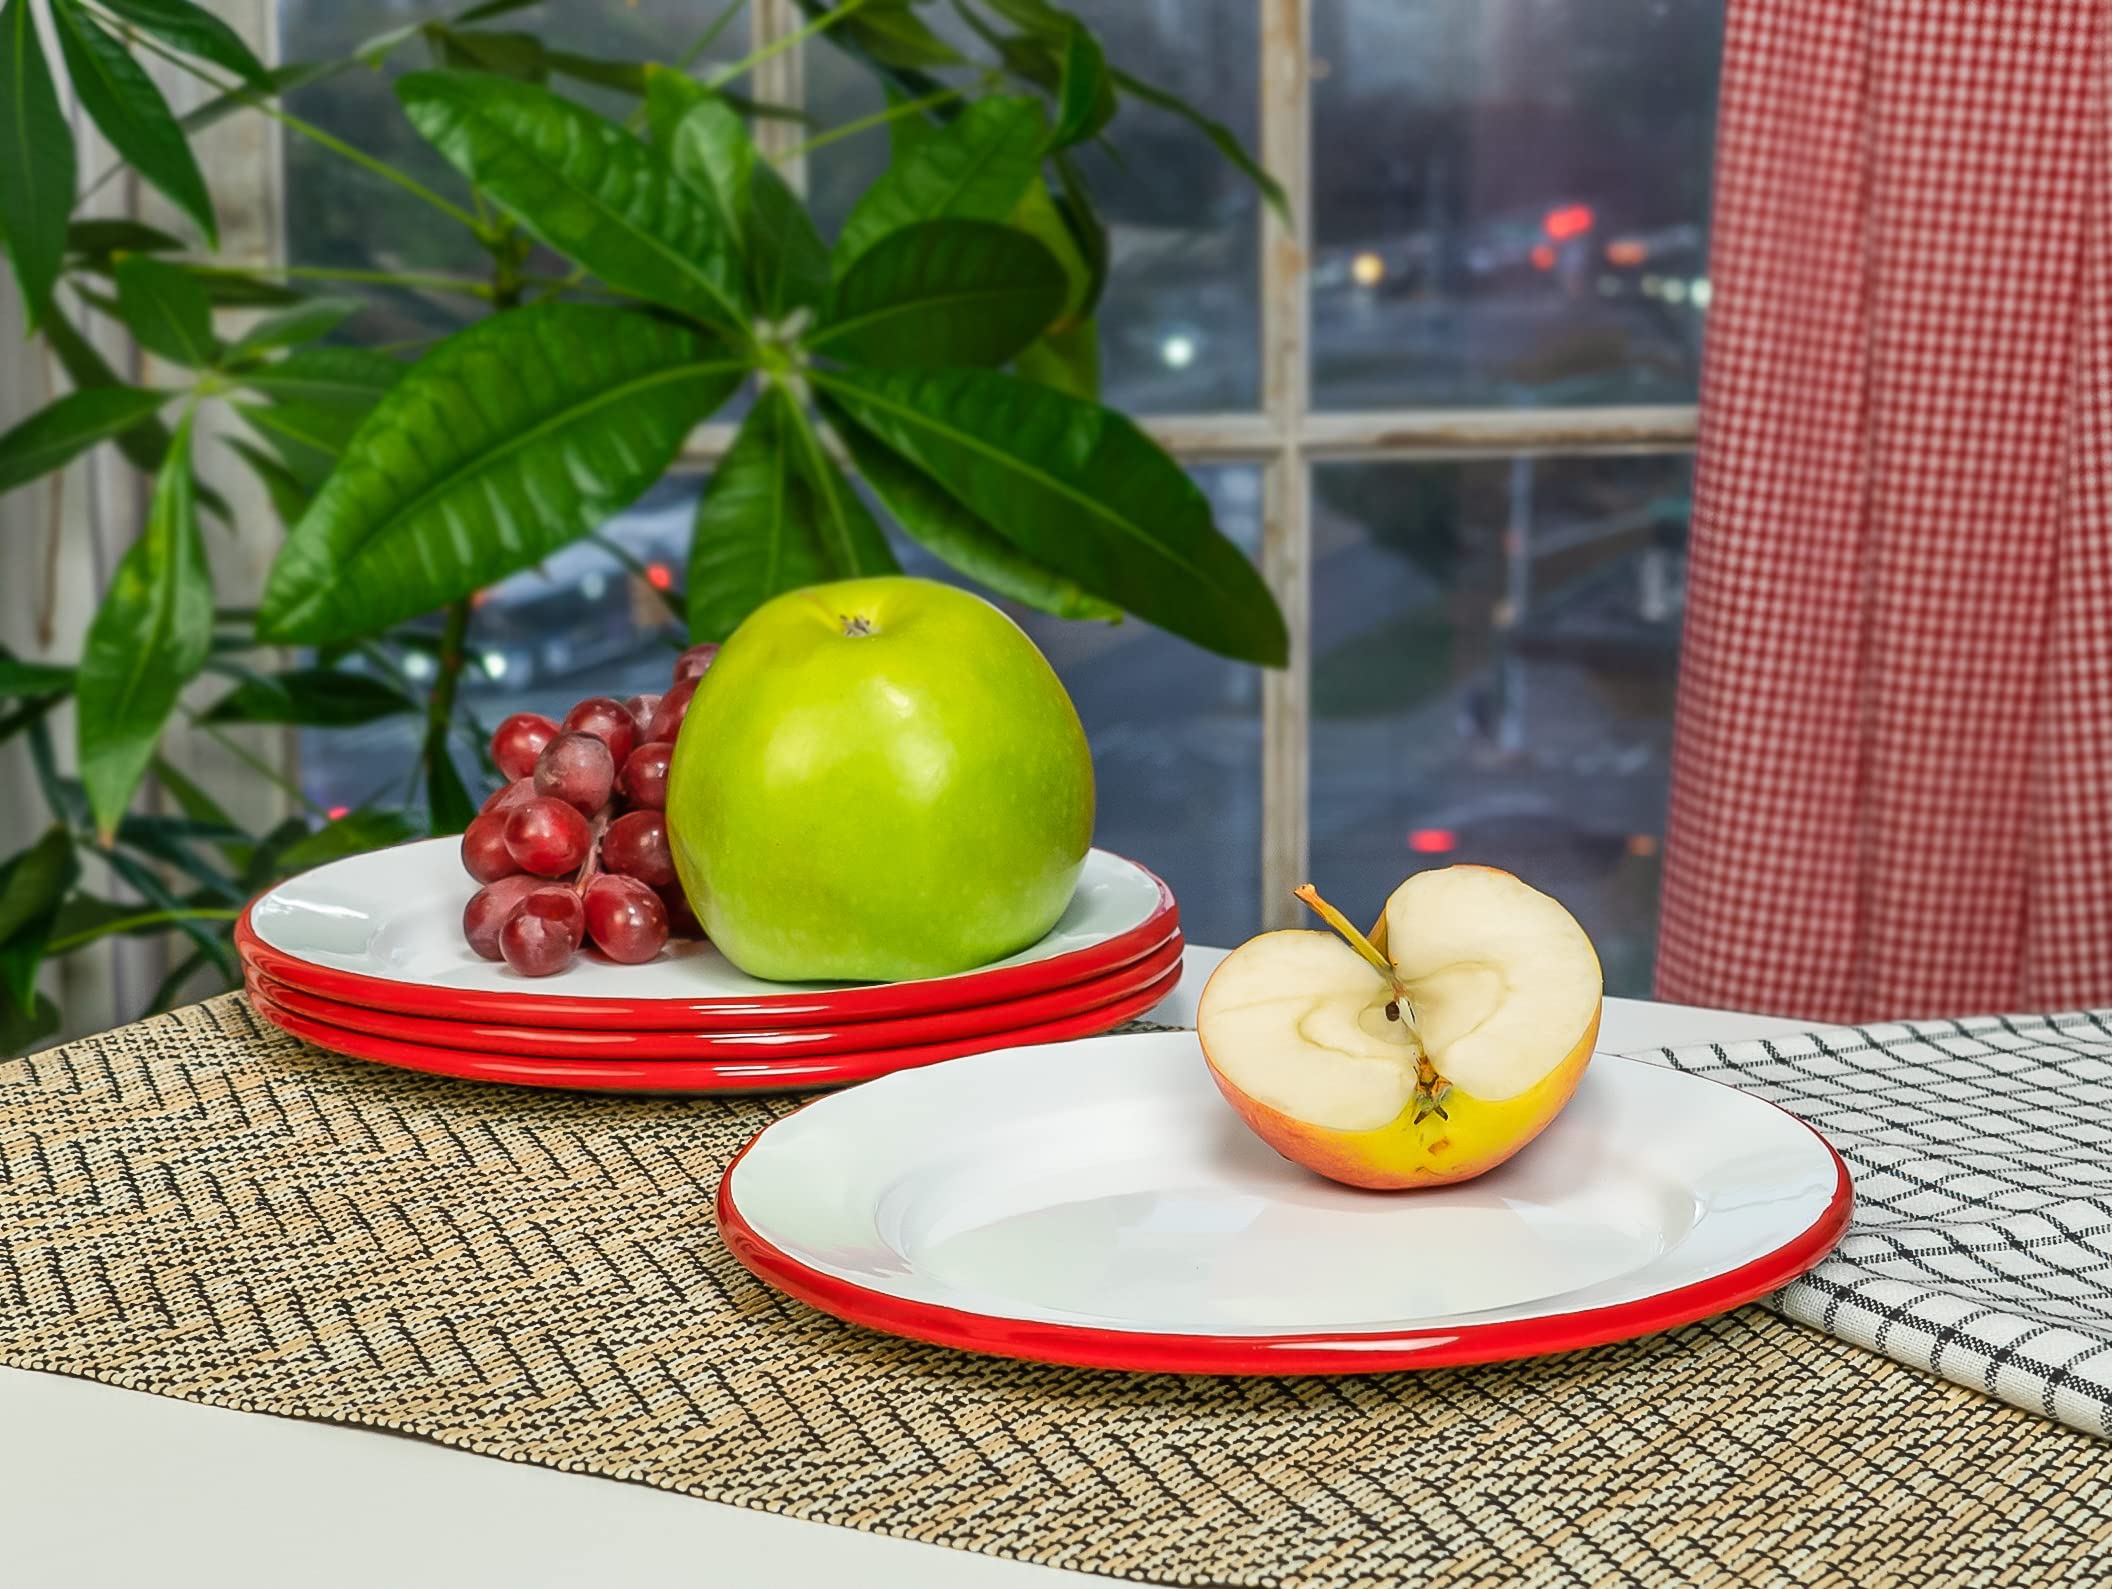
(697,1076)
(871,1002)
(757,1043)
(1329,1352)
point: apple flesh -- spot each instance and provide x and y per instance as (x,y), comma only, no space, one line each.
(1434,1072)
(878,780)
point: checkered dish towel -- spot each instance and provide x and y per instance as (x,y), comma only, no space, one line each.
(1981,1248)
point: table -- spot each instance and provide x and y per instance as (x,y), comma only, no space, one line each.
(101,1486)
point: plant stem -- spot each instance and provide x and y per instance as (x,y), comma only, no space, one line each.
(820,24)
(259,766)
(879,118)
(440,704)
(432,281)
(1357,941)
(316,135)
(709,36)
(151,918)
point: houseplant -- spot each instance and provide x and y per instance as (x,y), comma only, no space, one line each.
(639,272)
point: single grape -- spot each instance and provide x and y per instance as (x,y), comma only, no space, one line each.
(643,781)
(543,931)
(547,837)
(608,722)
(625,919)
(641,708)
(484,853)
(636,845)
(577,769)
(516,743)
(681,919)
(489,907)
(509,795)
(696,661)
(673,707)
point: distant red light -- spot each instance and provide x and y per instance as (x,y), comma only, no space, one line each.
(659,576)
(1433,841)
(1543,257)
(337,812)
(1571,220)
(1627,251)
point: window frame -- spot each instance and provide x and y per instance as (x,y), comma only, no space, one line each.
(1285,435)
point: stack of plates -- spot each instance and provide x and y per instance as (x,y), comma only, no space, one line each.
(365,956)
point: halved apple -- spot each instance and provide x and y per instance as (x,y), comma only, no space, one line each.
(1426,1061)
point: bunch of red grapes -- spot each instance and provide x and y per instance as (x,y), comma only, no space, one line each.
(574,847)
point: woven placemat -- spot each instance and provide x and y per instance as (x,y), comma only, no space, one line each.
(200,1207)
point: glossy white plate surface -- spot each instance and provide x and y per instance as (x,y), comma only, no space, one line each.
(1098,1202)
(385,929)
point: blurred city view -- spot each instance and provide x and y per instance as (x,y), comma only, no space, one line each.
(1509,203)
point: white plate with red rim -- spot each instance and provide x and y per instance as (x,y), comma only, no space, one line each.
(384,930)
(1096,1203)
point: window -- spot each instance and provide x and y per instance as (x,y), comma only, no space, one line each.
(1450,419)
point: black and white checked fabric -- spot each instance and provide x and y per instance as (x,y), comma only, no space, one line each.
(1981,1247)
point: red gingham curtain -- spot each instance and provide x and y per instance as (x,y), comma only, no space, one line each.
(1892,772)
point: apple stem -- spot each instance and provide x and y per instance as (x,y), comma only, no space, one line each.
(1400,1003)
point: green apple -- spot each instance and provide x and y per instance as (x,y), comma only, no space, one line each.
(878,780)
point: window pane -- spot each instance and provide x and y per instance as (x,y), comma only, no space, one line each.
(1510,200)
(1179,326)
(1494,651)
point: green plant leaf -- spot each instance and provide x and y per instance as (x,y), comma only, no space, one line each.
(788,263)
(939,522)
(147,640)
(354,833)
(194,31)
(95,238)
(492,8)
(352,378)
(1067,359)
(130,110)
(504,442)
(449,808)
(1085,101)
(311,697)
(33,678)
(943,292)
(625,77)
(290,495)
(305,322)
(777,514)
(973,169)
(670,95)
(1221,137)
(21,1029)
(710,150)
(36,162)
(33,885)
(55,435)
(906,134)
(1088,233)
(784,261)
(1078,488)
(582,185)
(279,80)
(193,801)
(146,444)
(516,55)
(894,35)
(1037,17)
(307,438)
(167,310)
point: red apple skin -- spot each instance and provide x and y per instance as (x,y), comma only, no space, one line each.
(1477,1136)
